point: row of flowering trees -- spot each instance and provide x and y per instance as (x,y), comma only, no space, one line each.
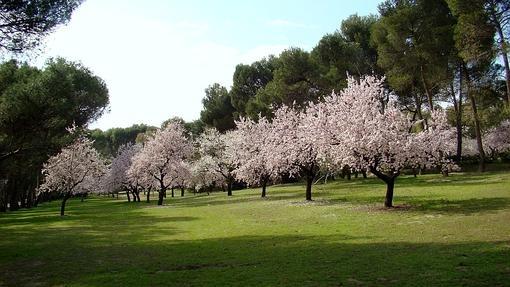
(360,128)
(496,142)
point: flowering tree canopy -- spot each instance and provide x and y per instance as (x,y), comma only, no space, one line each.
(293,147)
(118,177)
(161,157)
(183,176)
(202,177)
(498,138)
(257,140)
(219,154)
(357,127)
(75,169)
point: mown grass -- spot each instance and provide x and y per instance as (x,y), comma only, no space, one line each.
(448,231)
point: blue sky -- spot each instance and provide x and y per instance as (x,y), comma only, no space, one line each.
(157,57)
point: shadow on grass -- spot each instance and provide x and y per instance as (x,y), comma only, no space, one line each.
(464,206)
(427,205)
(259,261)
(91,209)
(240,197)
(430,180)
(98,220)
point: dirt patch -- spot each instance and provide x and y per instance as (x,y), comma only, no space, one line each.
(380,208)
(310,202)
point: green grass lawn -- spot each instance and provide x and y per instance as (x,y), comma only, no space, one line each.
(449,231)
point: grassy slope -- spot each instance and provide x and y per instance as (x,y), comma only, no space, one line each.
(452,231)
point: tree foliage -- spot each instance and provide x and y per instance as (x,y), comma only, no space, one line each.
(36,107)
(295,81)
(414,40)
(248,80)
(24,23)
(218,111)
(108,142)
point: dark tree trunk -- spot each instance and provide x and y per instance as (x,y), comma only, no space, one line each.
(160,199)
(13,202)
(3,206)
(229,187)
(23,197)
(390,184)
(426,87)
(419,114)
(507,72)
(346,172)
(162,191)
(82,197)
(478,132)
(3,198)
(12,191)
(457,105)
(458,126)
(37,200)
(128,196)
(148,193)
(173,192)
(264,185)
(182,191)
(502,43)
(364,173)
(309,182)
(63,205)
(31,200)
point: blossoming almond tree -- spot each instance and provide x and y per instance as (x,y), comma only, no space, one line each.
(256,165)
(498,138)
(162,155)
(118,175)
(72,170)
(95,185)
(219,154)
(359,128)
(202,178)
(293,146)
(183,176)
(137,175)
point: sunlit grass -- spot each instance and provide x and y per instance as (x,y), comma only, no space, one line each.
(447,231)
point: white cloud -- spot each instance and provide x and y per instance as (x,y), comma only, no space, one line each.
(154,69)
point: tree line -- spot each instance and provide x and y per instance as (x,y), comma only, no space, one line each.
(361,128)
